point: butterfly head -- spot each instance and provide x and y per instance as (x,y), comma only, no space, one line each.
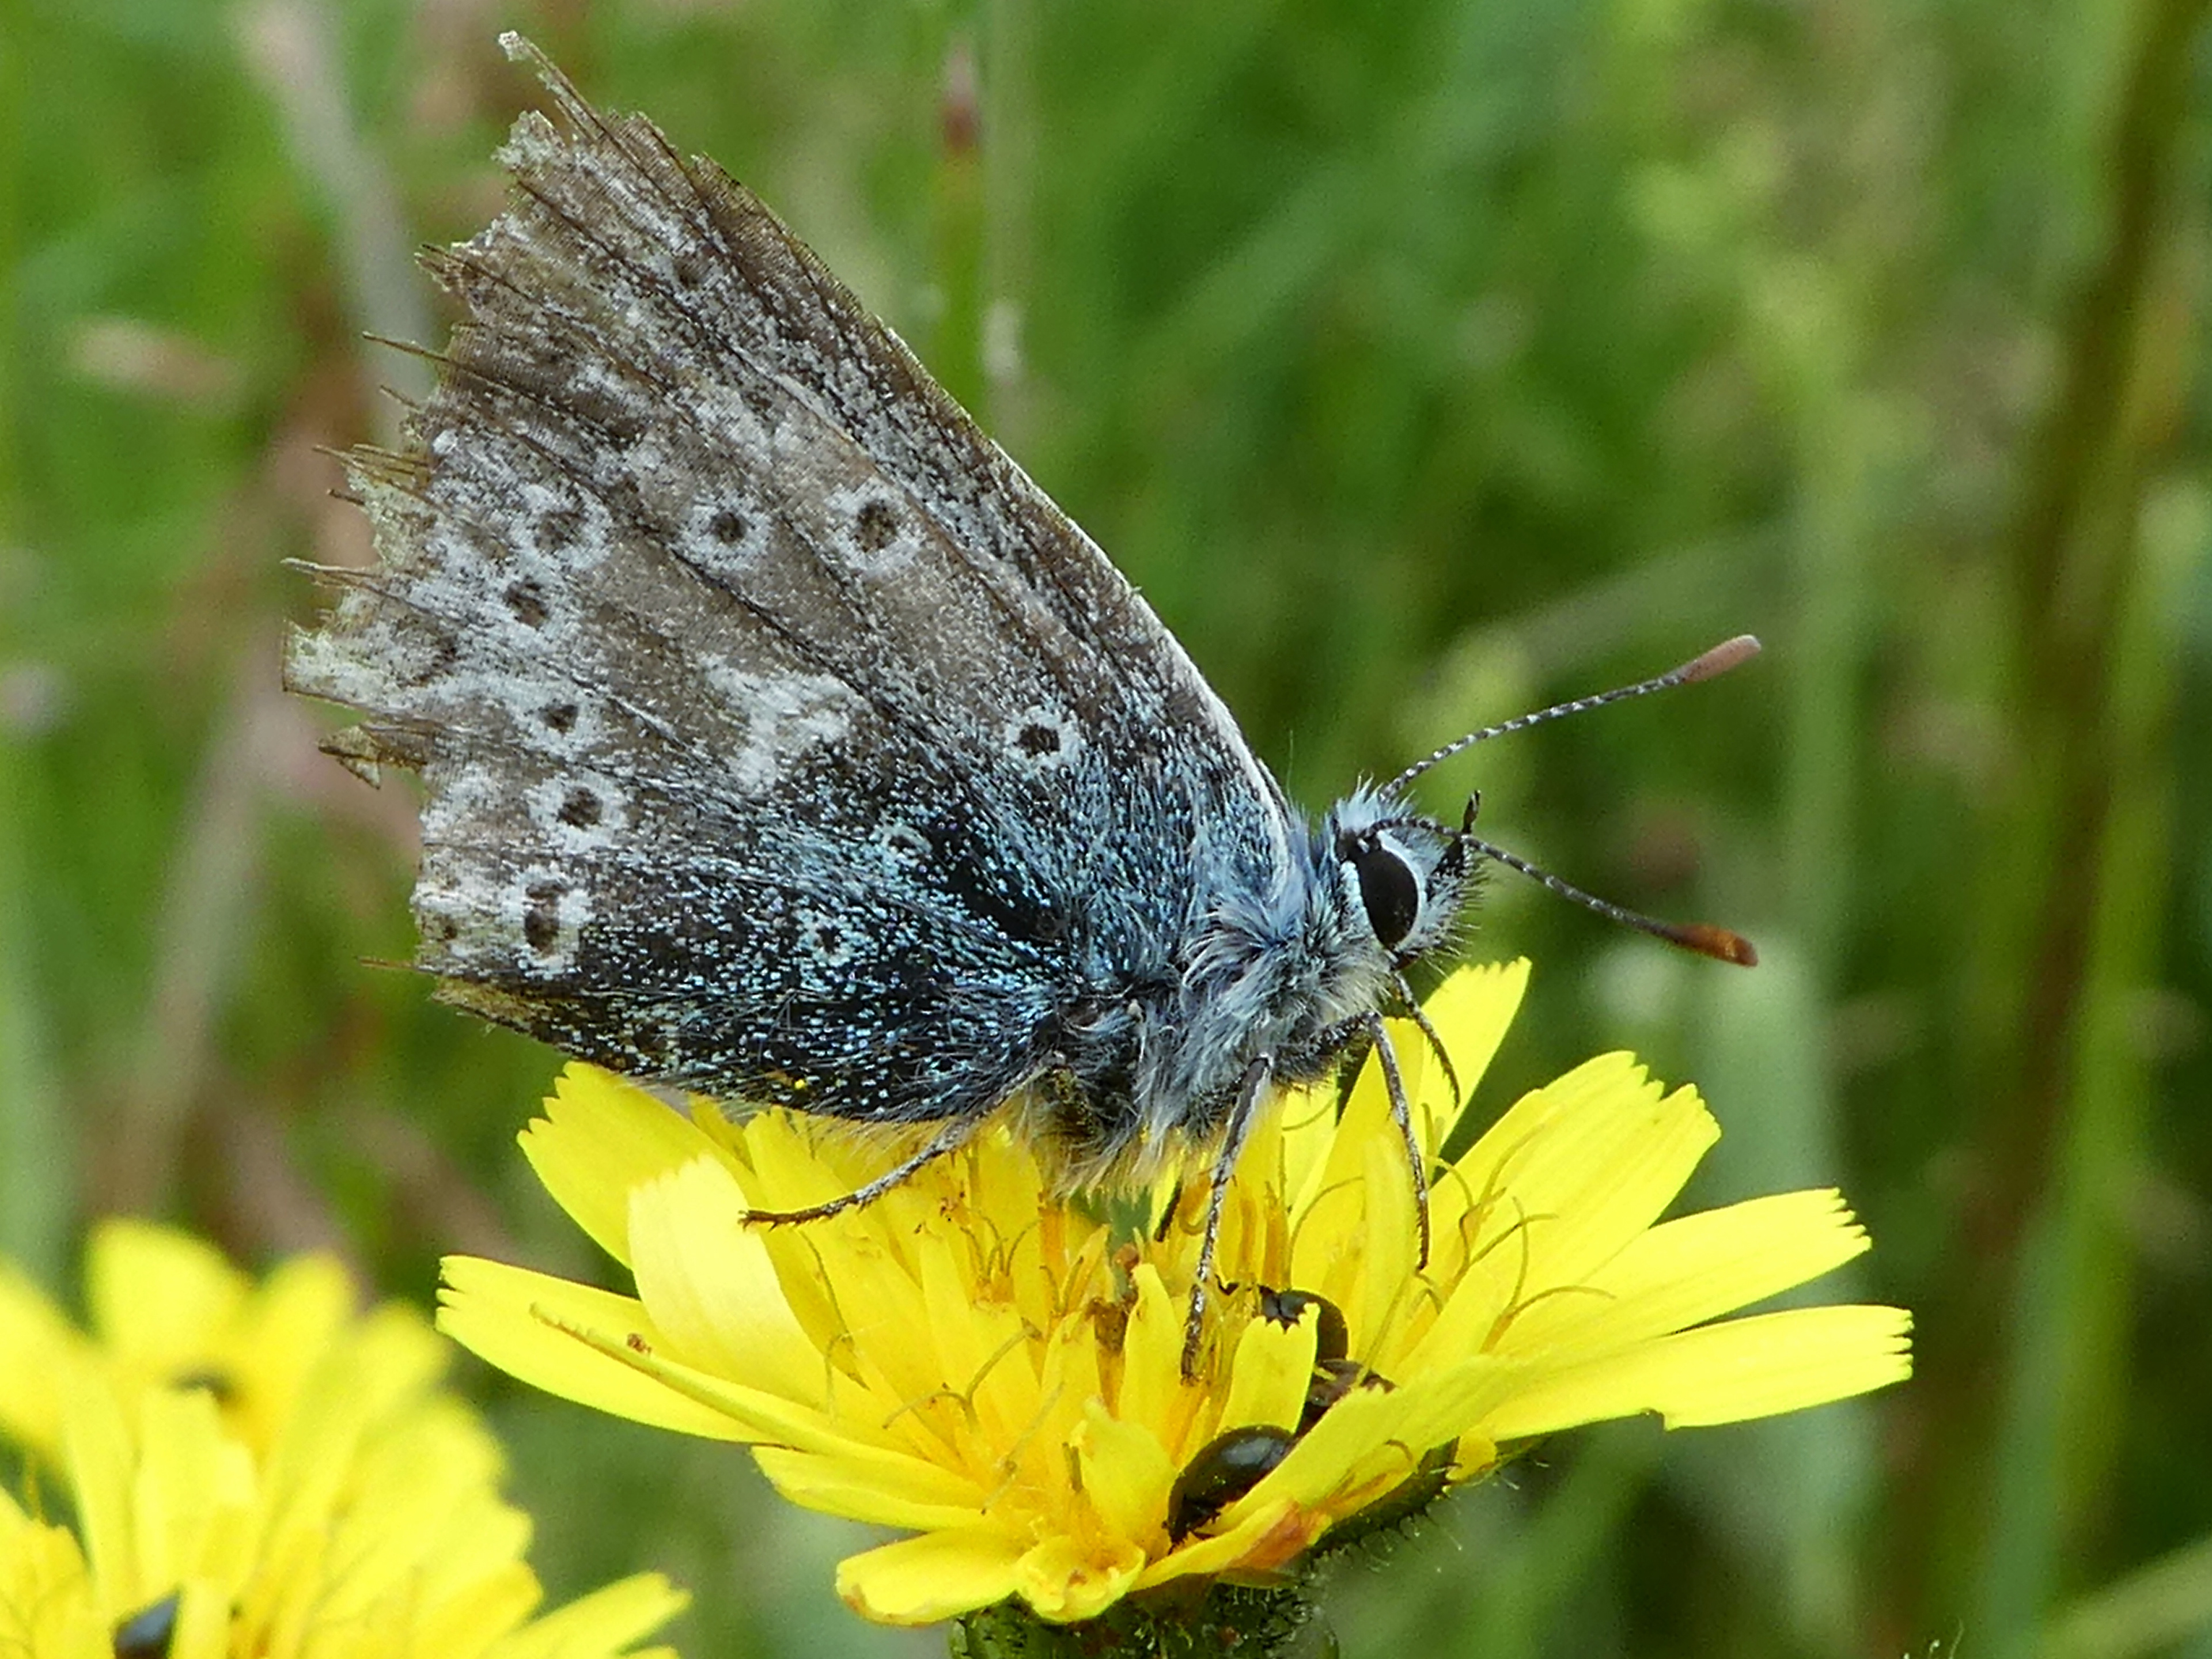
(1411,872)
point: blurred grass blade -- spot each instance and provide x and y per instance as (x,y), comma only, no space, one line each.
(2152,1610)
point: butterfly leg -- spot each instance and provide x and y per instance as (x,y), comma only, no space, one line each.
(1165,1225)
(1402,1114)
(1249,1088)
(1412,1010)
(951,1137)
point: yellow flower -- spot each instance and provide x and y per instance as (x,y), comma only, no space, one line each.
(256,1470)
(998,1370)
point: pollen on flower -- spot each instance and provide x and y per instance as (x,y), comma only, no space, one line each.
(995,1369)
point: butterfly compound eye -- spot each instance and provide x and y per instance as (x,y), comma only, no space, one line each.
(1390,890)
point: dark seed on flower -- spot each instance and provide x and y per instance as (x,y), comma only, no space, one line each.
(1332,1380)
(1225,1468)
(147,1634)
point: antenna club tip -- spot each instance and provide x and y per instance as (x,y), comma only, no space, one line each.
(1722,943)
(1729,653)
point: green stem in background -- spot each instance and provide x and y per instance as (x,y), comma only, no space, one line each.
(1807,317)
(980,198)
(2065,1399)
(201,937)
(37,1177)
(1009,187)
(957,229)
(296,53)
(2065,863)
(2075,560)
(2152,1610)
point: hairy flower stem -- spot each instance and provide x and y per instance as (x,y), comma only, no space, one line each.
(1227,1621)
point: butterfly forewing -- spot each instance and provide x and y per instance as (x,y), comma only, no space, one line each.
(781,738)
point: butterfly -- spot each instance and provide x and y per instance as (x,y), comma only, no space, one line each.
(783,743)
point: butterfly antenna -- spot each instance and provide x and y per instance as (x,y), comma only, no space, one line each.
(1722,943)
(1729,653)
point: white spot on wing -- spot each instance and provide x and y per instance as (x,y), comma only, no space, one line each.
(827,941)
(785,715)
(1041,739)
(726,537)
(581,812)
(547,911)
(876,529)
(904,846)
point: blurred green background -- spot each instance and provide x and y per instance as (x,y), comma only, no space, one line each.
(1423,362)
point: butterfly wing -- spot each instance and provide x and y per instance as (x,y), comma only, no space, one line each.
(780,738)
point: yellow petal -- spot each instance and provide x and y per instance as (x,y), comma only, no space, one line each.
(1628,1155)
(96,1450)
(795,1163)
(463,1625)
(1260,1534)
(527,1324)
(752,1414)
(38,1351)
(419,1520)
(1126,1472)
(1373,1437)
(1686,1271)
(1556,1189)
(1365,1119)
(1724,1373)
(919,1581)
(886,1489)
(1301,1132)
(1066,1578)
(154,1293)
(202,1629)
(706,1279)
(983,1344)
(1152,1389)
(1376,1271)
(46,1605)
(192,1487)
(1068,1380)
(388,1359)
(285,1329)
(922,1334)
(604,1622)
(601,1137)
(1471,1012)
(1268,1375)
